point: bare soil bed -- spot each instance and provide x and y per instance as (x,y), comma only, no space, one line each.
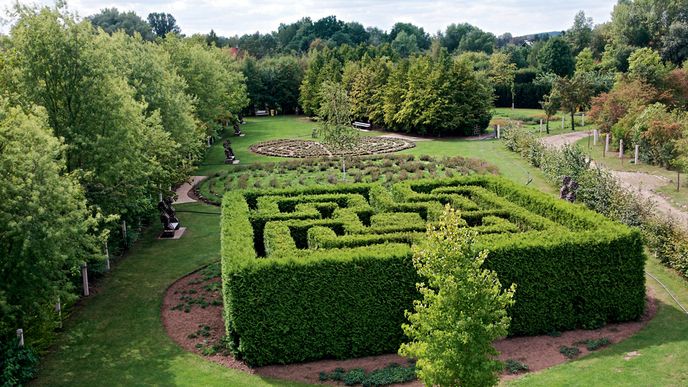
(192,317)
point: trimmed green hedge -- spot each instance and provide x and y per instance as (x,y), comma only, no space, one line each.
(321,273)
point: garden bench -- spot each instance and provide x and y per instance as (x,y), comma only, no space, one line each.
(361,125)
(261,112)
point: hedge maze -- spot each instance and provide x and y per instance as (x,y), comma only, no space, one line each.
(326,272)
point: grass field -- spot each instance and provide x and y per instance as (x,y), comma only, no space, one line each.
(116,337)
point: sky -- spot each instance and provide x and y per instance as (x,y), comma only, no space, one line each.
(231,17)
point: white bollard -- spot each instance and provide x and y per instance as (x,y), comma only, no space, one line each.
(595,136)
(562,121)
(621,148)
(84,276)
(58,309)
(209,141)
(124,231)
(540,125)
(635,159)
(499,131)
(606,143)
(20,336)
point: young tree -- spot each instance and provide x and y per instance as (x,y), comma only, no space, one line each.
(550,104)
(573,93)
(462,311)
(335,114)
(646,65)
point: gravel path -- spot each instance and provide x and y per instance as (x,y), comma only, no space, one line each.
(183,191)
(644,184)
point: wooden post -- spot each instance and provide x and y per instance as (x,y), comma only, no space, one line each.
(589,135)
(635,159)
(20,336)
(621,149)
(499,130)
(582,119)
(606,144)
(124,231)
(540,125)
(596,137)
(107,257)
(562,120)
(678,181)
(84,276)
(58,309)
(209,141)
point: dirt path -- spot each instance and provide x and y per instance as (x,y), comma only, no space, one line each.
(183,191)
(192,316)
(559,140)
(644,184)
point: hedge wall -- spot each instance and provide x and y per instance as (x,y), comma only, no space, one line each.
(528,94)
(321,273)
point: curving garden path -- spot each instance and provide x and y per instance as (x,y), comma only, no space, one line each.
(644,184)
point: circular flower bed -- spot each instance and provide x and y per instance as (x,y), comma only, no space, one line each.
(306,148)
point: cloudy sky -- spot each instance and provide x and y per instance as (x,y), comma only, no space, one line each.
(230,17)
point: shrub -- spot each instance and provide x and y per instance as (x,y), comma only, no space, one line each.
(515,367)
(17,365)
(326,271)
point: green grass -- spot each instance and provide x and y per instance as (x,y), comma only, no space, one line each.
(116,337)
(663,348)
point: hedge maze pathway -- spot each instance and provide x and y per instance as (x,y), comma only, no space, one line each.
(327,272)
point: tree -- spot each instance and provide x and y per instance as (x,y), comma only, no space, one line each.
(367,90)
(405,45)
(46,228)
(163,24)
(556,57)
(422,38)
(116,150)
(579,36)
(627,96)
(675,43)
(572,93)
(646,65)
(453,34)
(478,40)
(212,78)
(112,20)
(584,61)
(503,72)
(462,311)
(335,114)
(550,104)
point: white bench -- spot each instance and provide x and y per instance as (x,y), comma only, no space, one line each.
(261,112)
(361,125)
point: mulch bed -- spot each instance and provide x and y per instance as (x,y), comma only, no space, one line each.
(192,317)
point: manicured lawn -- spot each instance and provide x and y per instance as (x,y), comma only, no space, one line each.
(662,348)
(115,337)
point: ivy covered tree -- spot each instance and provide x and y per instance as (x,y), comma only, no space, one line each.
(462,310)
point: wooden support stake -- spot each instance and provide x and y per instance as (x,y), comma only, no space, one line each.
(107,257)
(596,137)
(606,145)
(499,130)
(621,149)
(84,276)
(20,336)
(635,158)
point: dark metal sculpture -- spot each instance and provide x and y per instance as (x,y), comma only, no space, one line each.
(168,218)
(568,189)
(229,153)
(237,129)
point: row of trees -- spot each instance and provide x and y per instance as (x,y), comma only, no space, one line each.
(431,94)
(92,127)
